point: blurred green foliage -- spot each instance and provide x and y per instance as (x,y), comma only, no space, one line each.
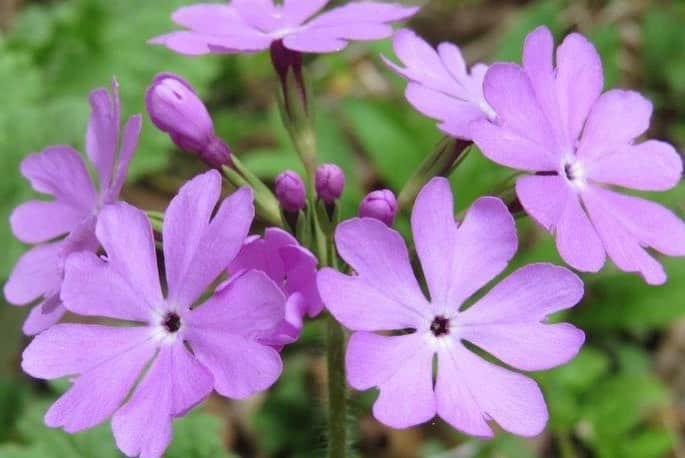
(610,402)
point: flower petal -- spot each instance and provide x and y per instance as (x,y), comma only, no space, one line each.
(43,315)
(627,224)
(301,277)
(509,321)
(241,367)
(455,115)
(579,82)
(96,394)
(129,143)
(209,18)
(298,11)
(509,91)
(59,351)
(617,118)
(93,287)
(553,203)
(39,221)
(486,241)
(61,172)
(247,306)
(384,293)
(195,43)
(175,383)
(36,273)
(102,137)
(196,249)
(402,367)
(469,383)
(126,235)
(649,166)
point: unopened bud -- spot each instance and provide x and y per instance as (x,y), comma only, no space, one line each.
(175,108)
(381,205)
(330,182)
(290,191)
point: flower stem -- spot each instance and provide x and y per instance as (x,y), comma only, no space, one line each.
(337,391)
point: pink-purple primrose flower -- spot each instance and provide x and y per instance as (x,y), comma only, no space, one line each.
(223,331)
(383,294)
(440,85)
(254,25)
(66,224)
(555,121)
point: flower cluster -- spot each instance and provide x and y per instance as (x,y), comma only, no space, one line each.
(215,315)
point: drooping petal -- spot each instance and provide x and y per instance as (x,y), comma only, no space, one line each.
(43,315)
(402,367)
(241,367)
(650,166)
(485,243)
(509,321)
(247,306)
(553,203)
(96,394)
(36,274)
(93,287)
(470,384)
(628,224)
(126,235)
(509,91)
(617,118)
(175,383)
(102,136)
(60,172)
(579,82)
(59,351)
(39,221)
(198,250)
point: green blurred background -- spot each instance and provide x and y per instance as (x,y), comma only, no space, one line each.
(623,397)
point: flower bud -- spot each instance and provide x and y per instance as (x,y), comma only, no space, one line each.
(290,191)
(175,108)
(381,205)
(330,182)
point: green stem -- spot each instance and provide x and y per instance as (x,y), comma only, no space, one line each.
(337,391)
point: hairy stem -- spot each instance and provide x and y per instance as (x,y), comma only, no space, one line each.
(337,391)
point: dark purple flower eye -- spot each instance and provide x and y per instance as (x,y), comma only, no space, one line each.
(440,326)
(172,322)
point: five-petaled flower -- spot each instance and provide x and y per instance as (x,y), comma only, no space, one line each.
(440,86)
(222,331)
(384,295)
(255,25)
(66,224)
(556,122)
(293,268)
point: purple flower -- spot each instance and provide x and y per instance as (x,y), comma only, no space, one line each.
(253,25)
(330,182)
(66,224)
(440,86)
(508,322)
(290,266)
(175,108)
(380,205)
(580,142)
(124,285)
(290,191)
